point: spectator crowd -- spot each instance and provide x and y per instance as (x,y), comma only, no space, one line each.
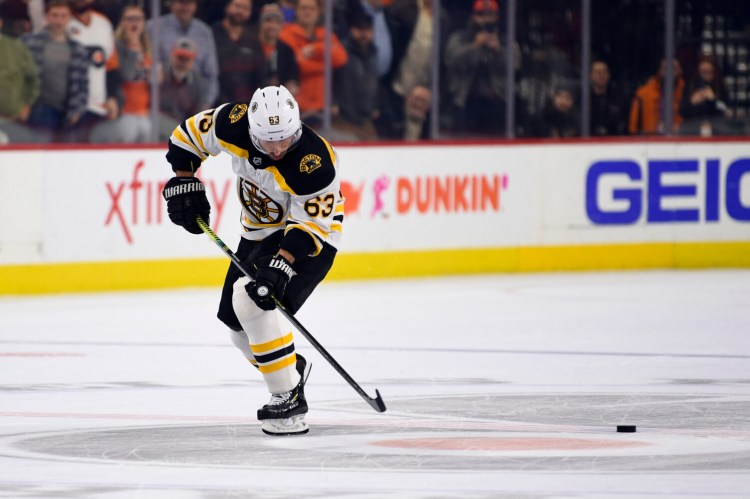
(82,71)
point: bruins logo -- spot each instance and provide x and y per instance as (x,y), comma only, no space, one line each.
(254,107)
(237,112)
(310,163)
(259,207)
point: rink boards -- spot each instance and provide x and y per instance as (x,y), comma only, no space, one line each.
(94,219)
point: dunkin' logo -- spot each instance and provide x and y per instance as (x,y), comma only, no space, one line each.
(425,194)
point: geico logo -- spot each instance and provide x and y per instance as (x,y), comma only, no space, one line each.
(675,190)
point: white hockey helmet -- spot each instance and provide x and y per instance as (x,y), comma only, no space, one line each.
(273,116)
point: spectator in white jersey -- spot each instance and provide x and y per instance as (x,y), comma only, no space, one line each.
(94,31)
(181,23)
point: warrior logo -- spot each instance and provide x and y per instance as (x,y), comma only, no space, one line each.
(237,112)
(309,163)
(258,206)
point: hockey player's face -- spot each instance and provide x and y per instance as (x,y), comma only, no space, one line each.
(276,149)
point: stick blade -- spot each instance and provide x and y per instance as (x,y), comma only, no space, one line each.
(377,402)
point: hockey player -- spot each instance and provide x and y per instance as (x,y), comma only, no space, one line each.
(292,213)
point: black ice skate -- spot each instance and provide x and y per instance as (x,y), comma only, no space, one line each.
(285,413)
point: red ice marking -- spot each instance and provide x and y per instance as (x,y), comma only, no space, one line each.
(508,443)
(41,354)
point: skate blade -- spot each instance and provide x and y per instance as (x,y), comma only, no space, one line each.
(285,427)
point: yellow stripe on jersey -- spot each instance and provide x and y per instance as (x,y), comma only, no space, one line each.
(315,228)
(186,141)
(330,150)
(280,180)
(337,226)
(275,366)
(272,345)
(195,133)
(236,150)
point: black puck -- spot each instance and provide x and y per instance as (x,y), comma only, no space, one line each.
(626,428)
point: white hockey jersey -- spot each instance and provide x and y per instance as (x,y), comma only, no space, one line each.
(98,39)
(298,194)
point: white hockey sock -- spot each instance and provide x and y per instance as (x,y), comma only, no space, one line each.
(272,350)
(239,339)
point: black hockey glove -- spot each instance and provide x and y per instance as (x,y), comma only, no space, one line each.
(271,279)
(186,199)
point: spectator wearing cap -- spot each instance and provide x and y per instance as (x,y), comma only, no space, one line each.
(280,64)
(307,40)
(241,60)
(182,91)
(181,23)
(475,59)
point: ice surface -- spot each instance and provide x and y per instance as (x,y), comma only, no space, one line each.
(496,386)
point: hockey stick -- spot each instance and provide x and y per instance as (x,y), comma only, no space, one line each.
(376,403)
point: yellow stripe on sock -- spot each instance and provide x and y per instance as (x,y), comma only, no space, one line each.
(272,345)
(281,364)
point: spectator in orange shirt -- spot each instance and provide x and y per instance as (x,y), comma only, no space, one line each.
(307,40)
(646,110)
(134,56)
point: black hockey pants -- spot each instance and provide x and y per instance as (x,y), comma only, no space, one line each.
(310,272)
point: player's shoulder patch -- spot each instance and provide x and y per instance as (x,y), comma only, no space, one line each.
(310,163)
(232,126)
(237,112)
